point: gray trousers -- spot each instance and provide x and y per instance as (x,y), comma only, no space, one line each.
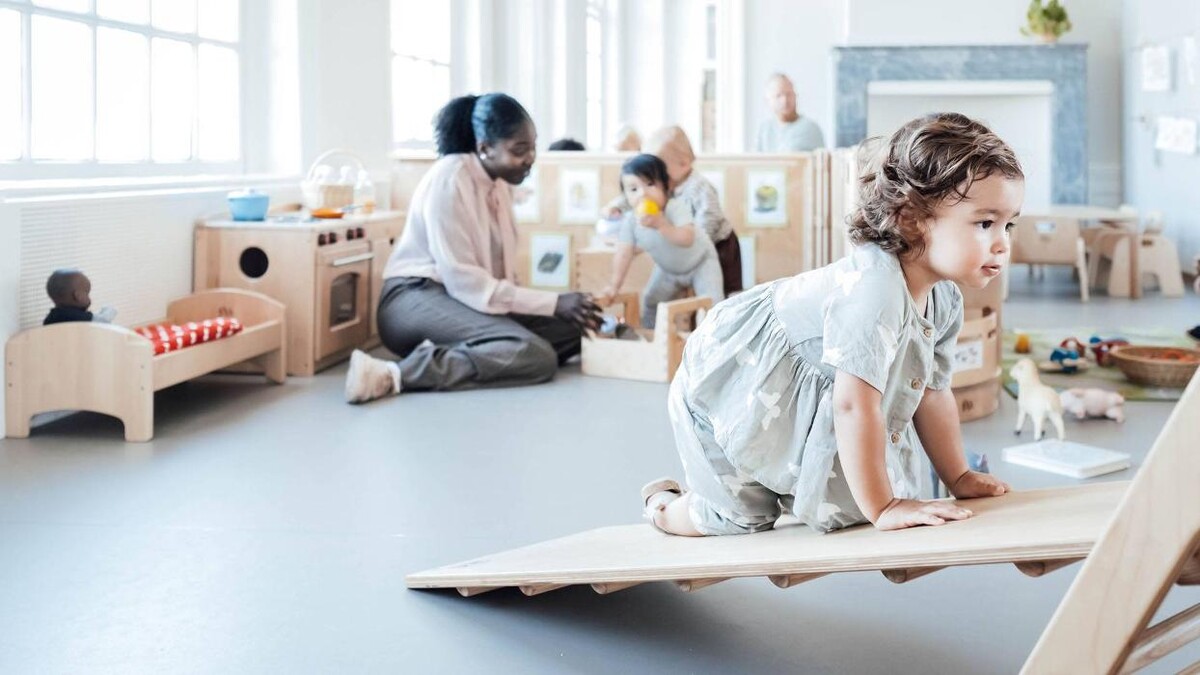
(469,349)
(706,281)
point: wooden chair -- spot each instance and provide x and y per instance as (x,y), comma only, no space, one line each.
(1125,273)
(1043,240)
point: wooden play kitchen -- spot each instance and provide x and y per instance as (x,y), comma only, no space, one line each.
(327,272)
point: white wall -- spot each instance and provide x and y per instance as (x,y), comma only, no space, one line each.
(814,27)
(345,84)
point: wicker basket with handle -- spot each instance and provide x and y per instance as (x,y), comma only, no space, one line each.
(320,194)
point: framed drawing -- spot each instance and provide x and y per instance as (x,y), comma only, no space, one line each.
(550,260)
(578,196)
(766,198)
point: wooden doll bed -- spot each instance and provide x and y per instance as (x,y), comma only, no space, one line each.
(112,370)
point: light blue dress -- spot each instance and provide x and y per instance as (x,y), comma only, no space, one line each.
(751,405)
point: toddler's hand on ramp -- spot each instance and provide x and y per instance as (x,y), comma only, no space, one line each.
(974,484)
(902,513)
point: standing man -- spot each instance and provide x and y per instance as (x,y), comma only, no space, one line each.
(786,130)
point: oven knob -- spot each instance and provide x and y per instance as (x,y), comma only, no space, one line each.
(350,233)
(333,237)
(321,239)
(359,233)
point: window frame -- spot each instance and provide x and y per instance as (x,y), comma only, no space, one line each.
(598,11)
(414,143)
(28,168)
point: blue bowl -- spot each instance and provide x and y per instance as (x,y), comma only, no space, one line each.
(248,205)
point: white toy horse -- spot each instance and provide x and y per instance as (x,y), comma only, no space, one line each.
(1035,400)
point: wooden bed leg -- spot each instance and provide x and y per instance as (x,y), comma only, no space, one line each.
(1163,638)
(689,585)
(471,591)
(1037,568)
(900,576)
(790,580)
(614,586)
(275,366)
(537,589)
(137,409)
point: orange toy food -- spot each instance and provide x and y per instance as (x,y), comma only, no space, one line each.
(1022,346)
(326,213)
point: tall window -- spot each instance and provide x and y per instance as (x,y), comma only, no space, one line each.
(108,82)
(708,99)
(595,74)
(420,68)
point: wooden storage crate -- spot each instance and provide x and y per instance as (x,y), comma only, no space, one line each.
(657,356)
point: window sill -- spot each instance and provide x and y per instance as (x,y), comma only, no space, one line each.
(15,191)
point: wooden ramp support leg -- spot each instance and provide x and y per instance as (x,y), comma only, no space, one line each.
(689,585)
(790,580)
(1163,638)
(1037,568)
(900,576)
(1099,626)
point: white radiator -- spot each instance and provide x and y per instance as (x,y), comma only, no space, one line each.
(135,247)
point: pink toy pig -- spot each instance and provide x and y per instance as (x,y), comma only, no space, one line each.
(1093,402)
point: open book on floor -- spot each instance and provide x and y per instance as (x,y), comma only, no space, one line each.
(1067,458)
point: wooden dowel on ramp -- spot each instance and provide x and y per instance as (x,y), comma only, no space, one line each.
(1037,568)
(689,585)
(471,591)
(1163,638)
(613,586)
(790,580)
(901,576)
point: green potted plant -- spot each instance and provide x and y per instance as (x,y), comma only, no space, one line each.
(1047,22)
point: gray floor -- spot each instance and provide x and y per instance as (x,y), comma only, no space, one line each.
(268,529)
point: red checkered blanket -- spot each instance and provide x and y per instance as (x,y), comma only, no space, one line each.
(168,337)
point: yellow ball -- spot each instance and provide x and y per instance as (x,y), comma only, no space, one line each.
(647,208)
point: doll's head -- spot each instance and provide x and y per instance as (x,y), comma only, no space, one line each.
(69,288)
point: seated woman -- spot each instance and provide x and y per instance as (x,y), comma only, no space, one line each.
(450,304)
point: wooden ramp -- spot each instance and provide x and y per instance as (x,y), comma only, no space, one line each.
(1037,529)
(1139,538)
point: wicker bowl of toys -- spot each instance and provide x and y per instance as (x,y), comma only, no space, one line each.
(1157,366)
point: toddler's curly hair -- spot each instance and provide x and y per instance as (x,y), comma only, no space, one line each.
(926,162)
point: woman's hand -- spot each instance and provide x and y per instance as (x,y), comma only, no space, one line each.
(974,484)
(578,310)
(902,513)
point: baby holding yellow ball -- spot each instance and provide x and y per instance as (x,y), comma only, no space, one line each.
(684,256)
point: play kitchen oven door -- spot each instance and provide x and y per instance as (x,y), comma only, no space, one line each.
(343,319)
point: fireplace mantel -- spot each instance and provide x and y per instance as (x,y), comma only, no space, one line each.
(1063,65)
